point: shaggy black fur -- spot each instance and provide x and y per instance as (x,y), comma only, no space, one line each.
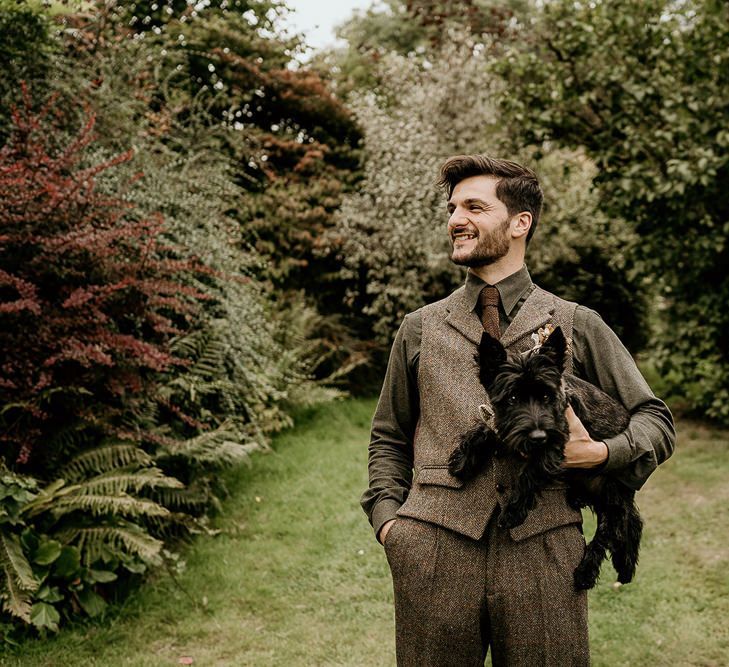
(529,394)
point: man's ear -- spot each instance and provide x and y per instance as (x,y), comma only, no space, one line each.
(491,354)
(522,224)
(555,347)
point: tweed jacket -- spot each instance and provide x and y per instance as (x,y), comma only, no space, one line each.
(450,395)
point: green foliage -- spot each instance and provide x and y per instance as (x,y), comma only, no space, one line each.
(118,485)
(581,253)
(26,48)
(642,86)
(19,583)
(289,146)
(287,143)
(416,28)
(60,543)
(246,157)
(243,367)
(390,232)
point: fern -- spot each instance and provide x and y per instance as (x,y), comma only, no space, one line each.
(103,458)
(98,505)
(212,449)
(190,346)
(16,600)
(184,499)
(67,439)
(94,542)
(46,498)
(19,583)
(210,362)
(123,480)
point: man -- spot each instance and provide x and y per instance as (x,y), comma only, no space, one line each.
(462,584)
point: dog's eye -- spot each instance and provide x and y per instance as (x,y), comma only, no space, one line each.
(512,399)
(546,397)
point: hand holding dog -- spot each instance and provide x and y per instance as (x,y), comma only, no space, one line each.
(581,451)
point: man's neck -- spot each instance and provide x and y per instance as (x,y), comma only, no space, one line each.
(493,273)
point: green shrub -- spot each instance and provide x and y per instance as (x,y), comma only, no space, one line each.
(61,543)
(90,300)
(26,51)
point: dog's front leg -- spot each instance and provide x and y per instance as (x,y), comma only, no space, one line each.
(472,453)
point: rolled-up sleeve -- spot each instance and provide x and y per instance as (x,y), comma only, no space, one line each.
(390,462)
(649,439)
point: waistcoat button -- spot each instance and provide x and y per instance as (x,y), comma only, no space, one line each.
(500,488)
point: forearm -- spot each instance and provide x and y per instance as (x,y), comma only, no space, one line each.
(393,429)
(391,476)
(647,442)
(601,359)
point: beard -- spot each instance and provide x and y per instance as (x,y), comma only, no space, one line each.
(490,247)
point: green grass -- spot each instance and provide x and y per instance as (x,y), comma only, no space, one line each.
(296,578)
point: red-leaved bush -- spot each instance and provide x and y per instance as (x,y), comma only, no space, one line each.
(89,296)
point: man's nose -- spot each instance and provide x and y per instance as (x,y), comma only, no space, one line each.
(457,217)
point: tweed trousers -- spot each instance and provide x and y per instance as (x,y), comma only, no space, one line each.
(456,597)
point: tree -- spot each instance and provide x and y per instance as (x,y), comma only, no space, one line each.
(642,87)
(250,359)
(415,27)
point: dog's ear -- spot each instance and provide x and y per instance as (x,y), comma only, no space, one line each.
(555,347)
(491,354)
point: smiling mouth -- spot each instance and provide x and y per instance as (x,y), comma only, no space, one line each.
(462,237)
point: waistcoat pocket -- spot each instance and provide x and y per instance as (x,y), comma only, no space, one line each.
(437,475)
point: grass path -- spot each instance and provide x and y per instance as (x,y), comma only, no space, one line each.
(296,578)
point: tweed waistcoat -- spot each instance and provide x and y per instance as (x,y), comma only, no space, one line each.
(450,393)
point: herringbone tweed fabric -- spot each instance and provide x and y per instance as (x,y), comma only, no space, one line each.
(455,595)
(460,583)
(450,393)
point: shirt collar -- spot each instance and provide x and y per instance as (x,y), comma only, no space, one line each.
(511,288)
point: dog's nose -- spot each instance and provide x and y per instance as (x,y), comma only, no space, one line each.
(537,436)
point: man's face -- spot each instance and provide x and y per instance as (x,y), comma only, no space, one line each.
(479,226)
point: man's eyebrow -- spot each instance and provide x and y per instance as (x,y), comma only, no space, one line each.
(470,201)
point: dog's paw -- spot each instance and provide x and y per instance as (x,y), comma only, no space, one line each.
(626,571)
(459,464)
(626,578)
(585,576)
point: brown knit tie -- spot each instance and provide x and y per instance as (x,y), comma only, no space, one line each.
(489,299)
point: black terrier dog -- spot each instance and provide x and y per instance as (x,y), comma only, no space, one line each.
(529,394)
